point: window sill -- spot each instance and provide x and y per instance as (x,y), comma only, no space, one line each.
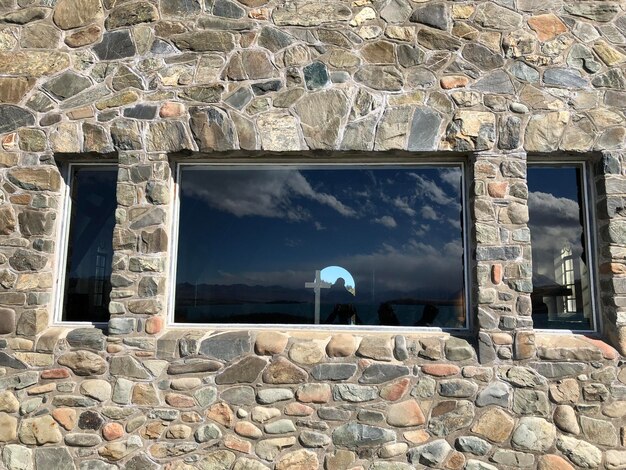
(568,346)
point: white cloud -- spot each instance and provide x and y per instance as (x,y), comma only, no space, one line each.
(431,190)
(451,176)
(267,193)
(429,213)
(387,221)
(403,206)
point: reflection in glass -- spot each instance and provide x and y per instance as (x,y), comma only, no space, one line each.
(367,246)
(561,295)
(90,250)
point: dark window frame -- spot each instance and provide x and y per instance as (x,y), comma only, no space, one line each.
(303,164)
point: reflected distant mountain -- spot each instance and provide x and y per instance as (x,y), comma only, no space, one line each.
(234,294)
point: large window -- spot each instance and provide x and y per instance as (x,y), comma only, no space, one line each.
(360,245)
(562,288)
(85,287)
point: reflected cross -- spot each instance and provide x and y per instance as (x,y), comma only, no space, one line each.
(317,287)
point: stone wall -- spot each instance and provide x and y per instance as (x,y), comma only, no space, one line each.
(146,84)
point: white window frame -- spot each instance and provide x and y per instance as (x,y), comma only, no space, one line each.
(589,230)
(298,164)
(62,241)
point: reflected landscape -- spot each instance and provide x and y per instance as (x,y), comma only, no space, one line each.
(376,246)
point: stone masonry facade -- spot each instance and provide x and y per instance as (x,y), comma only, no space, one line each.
(145,84)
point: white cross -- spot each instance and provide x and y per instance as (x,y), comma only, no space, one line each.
(317,286)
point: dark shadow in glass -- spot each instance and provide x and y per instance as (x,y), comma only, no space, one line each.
(90,251)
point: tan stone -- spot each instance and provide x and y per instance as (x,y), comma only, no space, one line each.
(340,460)
(145,394)
(120,99)
(419,436)
(70,14)
(306,352)
(376,347)
(234,443)
(281,371)
(454,81)
(314,393)
(112,431)
(66,417)
(153,430)
(83,37)
(400,33)
(609,55)
(495,425)
(395,390)
(298,409)
(98,389)
(38,178)
(13,89)
(178,400)
(65,138)
(8,402)
(178,431)
(462,11)
(341,345)
(269,343)
(269,449)
(565,391)
(33,64)
(440,370)
(247,429)
(185,383)
(547,26)
(42,389)
(171,109)
(221,413)
(553,462)
(40,430)
(544,131)
(8,428)
(298,460)
(406,413)
(456,461)
(261,414)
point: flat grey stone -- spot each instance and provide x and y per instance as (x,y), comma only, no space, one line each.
(333,371)
(128,366)
(227,346)
(239,395)
(91,338)
(53,458)
(434,15)
(564,77)
(115,45)
(495,82)
(13,117)
(473,445)
(268,396)
(432,454)
(354,435)
(498,393)
(380,373)
(247,370)
(424,132)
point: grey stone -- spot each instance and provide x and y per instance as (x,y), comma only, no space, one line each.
(8,361)
(314,439)
(91,338)
(227,9)
(115,45)
(378,77)
(355,435)
(564,77)
(510,133)
(272,395)
(424,133)
(457,388)
(497,393)
(73,401)
(458,349)
(66,85)
(167,136)
(315,75)
(495,82)
(482,57)
(193,366)
(141,111)
(492,16)
(599,431)
(354,393)
(263,88)
(581,453)
(409,56)
(25,15)
(239,395)
(425,388)
(473,445)
(140,462)
(513,459)
(530,402)
(126,134)
(432,454)
(17,457)
(558,370)
(524,72)
(247,370)
(281,426)
(333,371)
(321,115)
(240,98)
(438,41)
(161,47)
(207,432)
(379,373)
(333,414)
(180,8)
(533,434)
(478,465)
(13,117)
(435,15)
(205,396)
(82,439)
(205,41)
(602,12)
(128,366)
(53,457)
(613,78)
(274,39)
(227,346)
(396,11)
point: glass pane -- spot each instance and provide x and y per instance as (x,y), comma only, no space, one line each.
(561,295)
(366,246)
(90,250)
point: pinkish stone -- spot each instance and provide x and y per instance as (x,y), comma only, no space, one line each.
(298,409)
(440,370)
(314,393)
(395,390)
(112,431)
(269,343)
(406,413)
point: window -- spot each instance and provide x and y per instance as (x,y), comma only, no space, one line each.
(562,294)
(341,245)
(85,287)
